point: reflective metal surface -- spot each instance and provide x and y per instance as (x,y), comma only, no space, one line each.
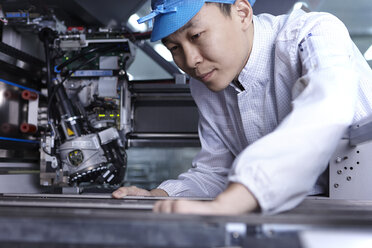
(99,221)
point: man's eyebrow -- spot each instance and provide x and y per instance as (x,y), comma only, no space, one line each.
(186,26)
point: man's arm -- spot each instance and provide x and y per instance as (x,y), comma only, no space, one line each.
(134,191)
(236,199)
(206,178)
(210,167)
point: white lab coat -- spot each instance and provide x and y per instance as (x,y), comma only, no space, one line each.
(304,84)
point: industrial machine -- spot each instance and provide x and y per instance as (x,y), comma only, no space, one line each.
(79,111)
(72,118)
(82,143)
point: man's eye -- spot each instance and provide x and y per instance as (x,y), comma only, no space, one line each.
(173,48)
(195,36)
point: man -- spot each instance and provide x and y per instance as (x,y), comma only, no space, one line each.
(275,96)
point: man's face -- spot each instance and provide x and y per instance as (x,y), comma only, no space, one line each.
(211,47)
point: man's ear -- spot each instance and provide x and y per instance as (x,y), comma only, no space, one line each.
(245,12)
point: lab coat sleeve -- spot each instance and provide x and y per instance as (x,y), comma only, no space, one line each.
(283,166)
(210,167)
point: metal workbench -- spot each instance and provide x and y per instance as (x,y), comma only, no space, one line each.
(100,221)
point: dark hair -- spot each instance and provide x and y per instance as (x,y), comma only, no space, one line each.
(224,7)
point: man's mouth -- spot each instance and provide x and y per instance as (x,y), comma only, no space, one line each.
(205,76)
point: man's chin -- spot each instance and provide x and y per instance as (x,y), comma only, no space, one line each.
(216,87)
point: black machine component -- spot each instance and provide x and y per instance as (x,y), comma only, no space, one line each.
(164,114)
(83,145)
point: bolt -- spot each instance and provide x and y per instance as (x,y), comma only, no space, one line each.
(348,178)
(339,172)
(335,185)
(338,160)
(54,165)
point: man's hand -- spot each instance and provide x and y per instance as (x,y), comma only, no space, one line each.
(236,199)
(134,191)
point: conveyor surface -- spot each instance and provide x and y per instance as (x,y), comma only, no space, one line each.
(100,221)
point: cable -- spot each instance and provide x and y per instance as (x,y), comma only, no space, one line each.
(56,89)
(61,83)
(112,47)
(47,152)
(125,68)
(95,49)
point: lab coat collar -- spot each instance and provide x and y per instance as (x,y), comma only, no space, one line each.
(256,69)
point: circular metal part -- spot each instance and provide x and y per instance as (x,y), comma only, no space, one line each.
(339,172)
(348,178)
(336,185)
(76,157)
(54,164)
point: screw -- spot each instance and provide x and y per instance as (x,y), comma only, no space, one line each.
(338,160)
(335,185)
(348,178)
(339,172)
(54,165)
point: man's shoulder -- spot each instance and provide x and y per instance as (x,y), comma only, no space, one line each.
(299,23)
(291,27)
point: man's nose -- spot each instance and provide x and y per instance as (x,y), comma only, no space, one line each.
(192,56)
